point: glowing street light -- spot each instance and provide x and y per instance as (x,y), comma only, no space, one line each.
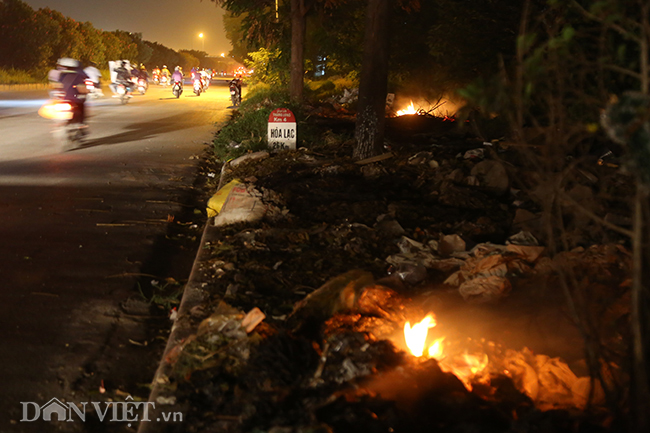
(202,41)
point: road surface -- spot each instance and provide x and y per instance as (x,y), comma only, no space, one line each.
(81,232)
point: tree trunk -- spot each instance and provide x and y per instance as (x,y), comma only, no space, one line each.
(298,18)
(371,112)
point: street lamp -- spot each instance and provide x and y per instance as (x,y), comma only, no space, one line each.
(202,41)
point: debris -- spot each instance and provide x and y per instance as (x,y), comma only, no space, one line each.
(485,289)
(523,238)
(255,156)
(162,400)
(377,158)
(253,318)
(241,204)
(492,176)
(336,295)
(474,154)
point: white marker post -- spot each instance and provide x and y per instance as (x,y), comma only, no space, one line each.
(282,132)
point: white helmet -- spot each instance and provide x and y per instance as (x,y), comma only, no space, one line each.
(68,62)
(176,68)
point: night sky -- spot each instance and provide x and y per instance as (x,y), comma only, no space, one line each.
(173,23)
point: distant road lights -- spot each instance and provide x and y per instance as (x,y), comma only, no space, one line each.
(202,41)
(223,54)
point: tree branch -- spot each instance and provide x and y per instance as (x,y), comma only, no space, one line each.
(621,30)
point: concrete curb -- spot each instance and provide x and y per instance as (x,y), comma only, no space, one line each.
(19,87)
(183,327)
(161,395)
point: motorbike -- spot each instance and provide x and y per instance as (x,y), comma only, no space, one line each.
(198,86)
(164,80)
(205,81)
(143,85)
(235,93)
(177,89)
(93,91)
(124,92)
(67,133)
(156,79)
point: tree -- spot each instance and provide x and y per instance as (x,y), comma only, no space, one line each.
(298,22)
(25,36)
(371,112)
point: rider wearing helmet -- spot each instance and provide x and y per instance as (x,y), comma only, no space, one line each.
(72,79)
(164,71)
(177,76)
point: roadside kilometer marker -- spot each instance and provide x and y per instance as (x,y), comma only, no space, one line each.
(282,131)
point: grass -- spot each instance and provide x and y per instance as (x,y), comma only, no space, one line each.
(248,127)
(37,76)
(17,76)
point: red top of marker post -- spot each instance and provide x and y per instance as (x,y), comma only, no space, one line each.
(282,115)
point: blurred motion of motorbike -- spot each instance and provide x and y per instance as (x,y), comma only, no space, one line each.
(164,80)
(123,91)
(94,92)
(198,86)
(177,89)
(142,85)
(68,132)
(235,91)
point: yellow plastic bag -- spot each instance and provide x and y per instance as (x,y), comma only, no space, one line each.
(217,201)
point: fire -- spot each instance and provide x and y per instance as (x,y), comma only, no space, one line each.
(465,367)
(417,335)
(436,349)
(408,110)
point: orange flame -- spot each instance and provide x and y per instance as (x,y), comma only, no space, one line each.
(408,110)
(465,367)
(416,336)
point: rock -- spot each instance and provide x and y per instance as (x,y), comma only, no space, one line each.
(390,228)
(450,244)
(492,176)
(523,216)
(456,175)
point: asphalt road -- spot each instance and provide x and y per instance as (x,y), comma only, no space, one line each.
(80,229)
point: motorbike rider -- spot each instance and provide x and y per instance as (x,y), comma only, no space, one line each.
(155,74)
(236,84)
(94,74)
(72,79)
(123,74)
(205,78)
(194,74)
(177,76)
(143,72)
(164,71)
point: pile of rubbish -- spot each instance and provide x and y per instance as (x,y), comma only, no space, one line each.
(313,264)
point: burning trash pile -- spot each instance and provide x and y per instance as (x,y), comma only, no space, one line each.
(345,302)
